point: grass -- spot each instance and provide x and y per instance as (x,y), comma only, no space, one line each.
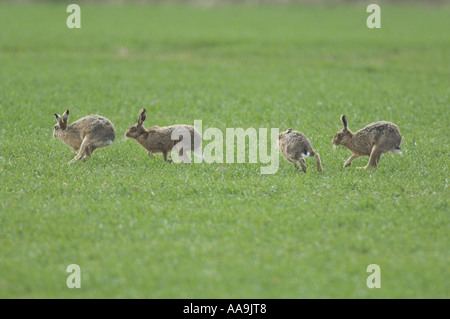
(141,228)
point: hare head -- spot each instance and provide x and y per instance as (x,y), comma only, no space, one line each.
(343,136)
(137,129)
(62,123)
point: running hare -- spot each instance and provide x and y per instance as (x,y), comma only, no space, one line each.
(373,140)
(85,135)
(157,139)
(295,147)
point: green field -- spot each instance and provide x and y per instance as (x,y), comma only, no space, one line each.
(142,228)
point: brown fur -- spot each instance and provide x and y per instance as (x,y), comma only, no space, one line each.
(373,140)
(295,147)
(159,139)
(84,135)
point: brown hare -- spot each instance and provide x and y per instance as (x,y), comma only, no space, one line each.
(295,147)
(84,135)
(157,139)
(373,140)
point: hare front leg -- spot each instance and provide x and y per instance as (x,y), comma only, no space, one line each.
(350,160)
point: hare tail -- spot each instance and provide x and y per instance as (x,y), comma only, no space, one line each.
(305,154)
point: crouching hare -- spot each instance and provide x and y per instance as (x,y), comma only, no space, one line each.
(295,147)
(181,138)
(373,140)
(84,135)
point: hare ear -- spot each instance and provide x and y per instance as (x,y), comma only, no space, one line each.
(65,116)
(142,116)
(289,130)
(58,119)
(344,121)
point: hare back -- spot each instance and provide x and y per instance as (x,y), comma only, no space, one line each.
(95,126)
(163,139)
(384,134)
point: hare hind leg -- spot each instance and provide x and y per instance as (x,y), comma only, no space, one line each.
(186,158)
(97,143)
(89,150)
(302,164)
(182,152)
(165,156)
(378,158)
(318,162)
(374,157)
(87,147)
(82,151)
